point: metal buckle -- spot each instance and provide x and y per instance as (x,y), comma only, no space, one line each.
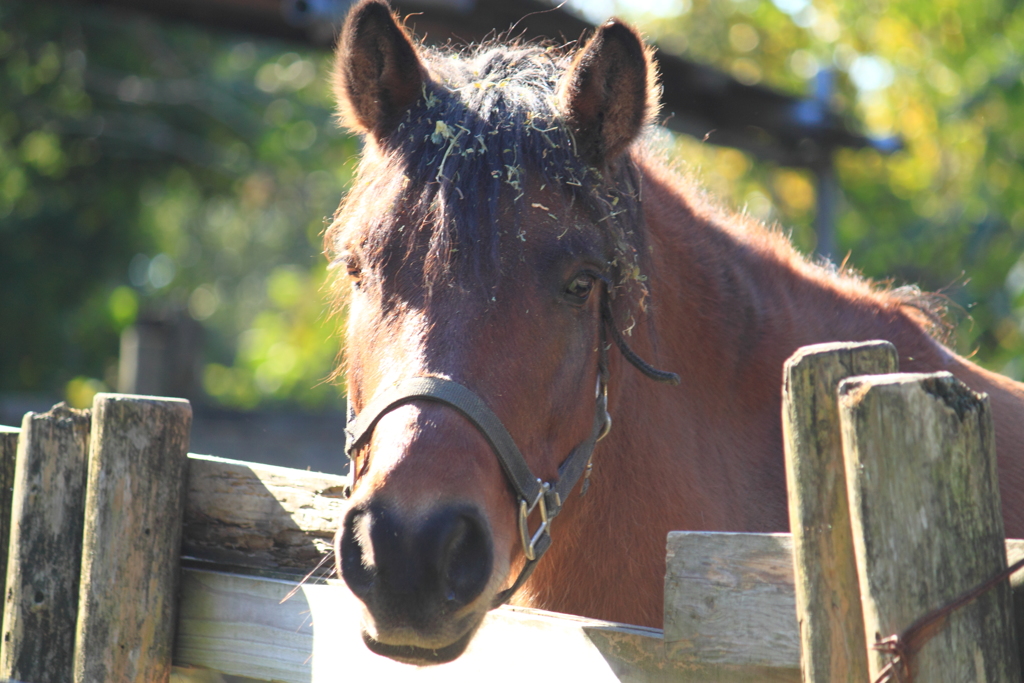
(529,546)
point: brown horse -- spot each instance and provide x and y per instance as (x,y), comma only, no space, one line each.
(506,226)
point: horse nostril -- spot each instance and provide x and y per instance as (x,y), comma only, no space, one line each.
(357,561)
(415,572)
(464,561)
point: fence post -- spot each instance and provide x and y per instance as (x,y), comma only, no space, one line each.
(133,519)
(924,504)
(825,571)
(45,546)
(8,456)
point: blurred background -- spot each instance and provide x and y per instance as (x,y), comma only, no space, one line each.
(166,170)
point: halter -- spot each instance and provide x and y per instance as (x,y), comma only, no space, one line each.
(532,493)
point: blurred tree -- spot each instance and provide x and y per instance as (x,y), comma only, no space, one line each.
(156,168)
(947,212)
(161,167)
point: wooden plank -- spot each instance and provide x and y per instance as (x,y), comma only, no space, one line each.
(260,516)
(45,550)
(248,626)
(924,504)
(132,538)
(827,593)
(242,626)
(729,601)
(756,119)
(194,674)
(8,458)
(301,502)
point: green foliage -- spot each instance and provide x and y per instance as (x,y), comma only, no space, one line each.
(148,167)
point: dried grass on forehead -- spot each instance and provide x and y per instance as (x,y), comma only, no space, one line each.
(459,165)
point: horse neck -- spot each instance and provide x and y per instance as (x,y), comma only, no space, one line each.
(735,298)
(729,303)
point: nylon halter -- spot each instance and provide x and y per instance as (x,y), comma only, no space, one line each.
(532,493)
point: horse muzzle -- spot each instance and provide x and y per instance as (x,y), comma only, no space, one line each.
(421,579)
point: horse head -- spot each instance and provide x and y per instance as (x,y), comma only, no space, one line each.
(489,252)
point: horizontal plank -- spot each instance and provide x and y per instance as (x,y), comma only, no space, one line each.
(729,600)
(266,629)
(260,516)
(272,518)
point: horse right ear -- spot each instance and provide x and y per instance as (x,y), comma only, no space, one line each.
(377,73)
(609,92)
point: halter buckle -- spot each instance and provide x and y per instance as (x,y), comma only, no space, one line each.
(530,542)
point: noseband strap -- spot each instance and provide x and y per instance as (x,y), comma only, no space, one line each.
(469,405)
(531,492)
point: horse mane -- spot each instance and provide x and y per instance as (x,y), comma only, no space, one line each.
(934,312)
(485,134)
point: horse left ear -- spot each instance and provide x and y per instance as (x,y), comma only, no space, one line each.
(377,71)
(609,92)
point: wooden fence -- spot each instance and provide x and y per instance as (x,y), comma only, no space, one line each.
(893,501)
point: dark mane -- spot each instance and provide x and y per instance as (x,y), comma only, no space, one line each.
(485,131)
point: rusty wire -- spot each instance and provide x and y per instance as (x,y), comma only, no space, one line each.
(900,647)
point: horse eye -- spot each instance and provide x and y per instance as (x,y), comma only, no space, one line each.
(355,273)
(580,287)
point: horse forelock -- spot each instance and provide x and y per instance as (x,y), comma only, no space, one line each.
(452,183)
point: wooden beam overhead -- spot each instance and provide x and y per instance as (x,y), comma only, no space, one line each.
(699,100)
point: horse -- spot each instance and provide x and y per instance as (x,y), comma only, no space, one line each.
(543,317)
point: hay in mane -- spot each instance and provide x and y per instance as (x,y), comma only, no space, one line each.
(458,166)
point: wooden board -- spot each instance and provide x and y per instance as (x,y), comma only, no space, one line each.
(260,516)
(249,626)
(729,601)
(717,584)
(298,504)
(754,118)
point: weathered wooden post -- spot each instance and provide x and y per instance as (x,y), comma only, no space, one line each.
(130,560)
(45,548)
(924,504)
(8,456)
(825,571)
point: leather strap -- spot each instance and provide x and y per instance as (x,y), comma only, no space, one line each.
(568,474)
(527,487)
(466,402)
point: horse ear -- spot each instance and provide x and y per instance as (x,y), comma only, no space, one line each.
(609,92)
(377,72)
